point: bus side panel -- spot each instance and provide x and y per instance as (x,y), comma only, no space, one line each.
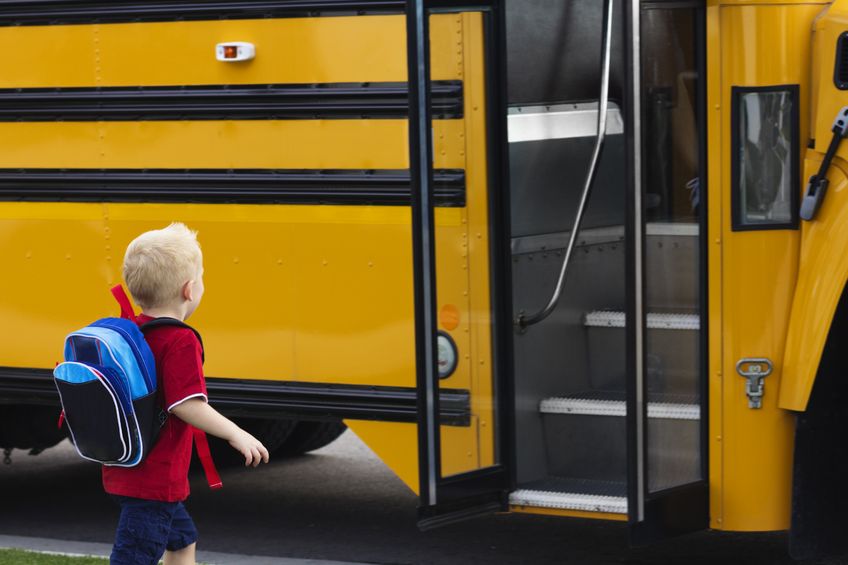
(313,293)
(763,46)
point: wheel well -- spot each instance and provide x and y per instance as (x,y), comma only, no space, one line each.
(820,465)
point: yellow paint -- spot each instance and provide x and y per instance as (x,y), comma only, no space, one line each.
(296,293)
(824,267)
(762,44)
(463,281)
(283,144)
(824,270)
(294,51)
(569,513)
(475,273)
(396,445)
(285,292)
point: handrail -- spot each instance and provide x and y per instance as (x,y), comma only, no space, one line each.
(523,321)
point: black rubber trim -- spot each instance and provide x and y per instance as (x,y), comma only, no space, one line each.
(385,100)
(59,12)
(354,187)
(357,402)
(673,512)
(840,67)
(271,399)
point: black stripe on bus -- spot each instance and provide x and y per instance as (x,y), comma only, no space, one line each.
(57,12)
(319,400)
(271,399)
(224,102)
(258,186)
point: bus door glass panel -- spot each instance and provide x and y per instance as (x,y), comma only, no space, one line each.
(674,271)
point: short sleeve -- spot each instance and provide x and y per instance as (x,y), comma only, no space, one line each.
(182,371)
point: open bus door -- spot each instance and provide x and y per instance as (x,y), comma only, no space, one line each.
(481,483)
(606,389)
(667,486)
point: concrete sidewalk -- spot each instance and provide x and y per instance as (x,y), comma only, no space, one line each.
(102,550)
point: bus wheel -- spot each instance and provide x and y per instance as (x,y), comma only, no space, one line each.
(309,436)
(272,434)
(30,427)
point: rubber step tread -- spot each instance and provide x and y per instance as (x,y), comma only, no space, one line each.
(656,321)
(612,404)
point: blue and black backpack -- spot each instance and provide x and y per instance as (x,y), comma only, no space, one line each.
(108,388)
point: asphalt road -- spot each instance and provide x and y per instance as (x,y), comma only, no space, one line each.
(342,503)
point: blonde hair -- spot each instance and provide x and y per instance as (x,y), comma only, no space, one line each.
(159,262)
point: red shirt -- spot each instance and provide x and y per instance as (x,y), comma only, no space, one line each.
(163,475)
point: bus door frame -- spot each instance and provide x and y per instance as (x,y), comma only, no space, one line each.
(445,500)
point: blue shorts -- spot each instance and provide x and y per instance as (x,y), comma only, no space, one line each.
(147,528)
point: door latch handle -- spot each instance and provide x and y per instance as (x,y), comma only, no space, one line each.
(817,186)
(755,369)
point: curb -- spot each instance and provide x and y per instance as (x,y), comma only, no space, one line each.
(91,549)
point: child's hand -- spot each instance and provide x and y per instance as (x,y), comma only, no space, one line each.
(252,449)
(198,413)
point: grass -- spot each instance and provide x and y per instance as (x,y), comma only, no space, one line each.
(18,557)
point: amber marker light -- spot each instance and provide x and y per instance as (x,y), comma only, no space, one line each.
(449,317)
(235,51)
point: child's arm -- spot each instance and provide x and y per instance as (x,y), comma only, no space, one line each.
(198,413)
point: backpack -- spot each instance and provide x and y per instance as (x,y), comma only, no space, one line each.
(107,386)
(108,389)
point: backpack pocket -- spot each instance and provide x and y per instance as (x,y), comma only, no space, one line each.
(95,415)
(150,418)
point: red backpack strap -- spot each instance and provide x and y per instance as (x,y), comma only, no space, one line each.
(120,295)
(201,443)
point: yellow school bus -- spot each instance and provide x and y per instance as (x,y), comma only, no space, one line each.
(580,258)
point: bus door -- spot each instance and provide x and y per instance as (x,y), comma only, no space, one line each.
(607,215)
(462,314)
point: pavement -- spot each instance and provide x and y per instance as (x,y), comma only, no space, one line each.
(78,548)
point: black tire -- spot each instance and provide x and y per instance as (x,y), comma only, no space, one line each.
(30,427)
(309,436)
(272,433)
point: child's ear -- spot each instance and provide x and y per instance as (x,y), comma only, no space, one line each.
(188,290)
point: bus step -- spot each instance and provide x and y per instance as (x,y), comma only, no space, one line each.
(673,350)
(656,321)
(599,404)
(572,494)
(585,436)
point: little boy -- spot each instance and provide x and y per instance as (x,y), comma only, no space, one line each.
(163,270)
